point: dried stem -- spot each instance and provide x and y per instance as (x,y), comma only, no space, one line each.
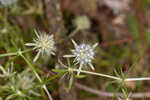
(110,94)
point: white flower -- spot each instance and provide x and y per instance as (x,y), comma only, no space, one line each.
(26,82)
(84,54)
(23,84)
(44,44)
(82,23)
(7,2)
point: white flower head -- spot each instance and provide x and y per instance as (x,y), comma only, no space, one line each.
(23,84)
(44,44)
(26,82)
(82,23)
(7,2)
(84,54)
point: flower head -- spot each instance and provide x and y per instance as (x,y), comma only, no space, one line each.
(7,2)
(82,23)
(23,84)
(26,82)
(84,54)
(44,44)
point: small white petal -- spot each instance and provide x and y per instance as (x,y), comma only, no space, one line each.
(95,45)
(92,67)
(68,56)
(74,43)
(53,53)
(37,56)
(75,60)
(30,44)
(80,68)
(76,63)
(36,33)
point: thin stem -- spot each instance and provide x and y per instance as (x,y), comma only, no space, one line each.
(46,90)
(8,54)
(14,53)
(33,69)
(97,74)
(70,36)
(38,77)
(111,94)
(73,33)
(109,76)
(137,79)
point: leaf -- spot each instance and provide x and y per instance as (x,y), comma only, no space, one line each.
(11,96)
(70,82)
(53,77)
(148,36)
(59,70)
(80,76)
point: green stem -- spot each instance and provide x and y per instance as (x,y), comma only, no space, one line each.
(73,33)
(93,73)
(14,53)
(38,77)
(70,36)
(109,76)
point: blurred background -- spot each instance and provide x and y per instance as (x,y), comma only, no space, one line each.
(121,27)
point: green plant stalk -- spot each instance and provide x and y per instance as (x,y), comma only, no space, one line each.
(70,36)
(73,33)
(14,53)
(137,79)
(109,76)
(93,73)
(38,77)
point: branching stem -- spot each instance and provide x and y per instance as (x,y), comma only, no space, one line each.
(109,76)
(38,77)
(14,53)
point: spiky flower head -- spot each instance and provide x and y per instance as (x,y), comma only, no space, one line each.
(44,44)
(82,23)
(23,84)
(26,82)
(7,2)
(84,54)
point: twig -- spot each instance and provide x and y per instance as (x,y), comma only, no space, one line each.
(15,53)
(93,73)
(109,76)
(110,94)
(37,76)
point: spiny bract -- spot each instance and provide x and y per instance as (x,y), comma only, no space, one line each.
(44,44)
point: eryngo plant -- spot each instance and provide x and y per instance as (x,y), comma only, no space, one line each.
(21,85)
(83,54)
(44,44)
(7,2)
